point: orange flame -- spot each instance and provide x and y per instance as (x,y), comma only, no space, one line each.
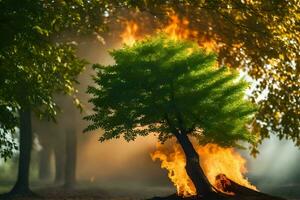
(176,29)
(174,162)
(179,29)
(130,34)
(214,160)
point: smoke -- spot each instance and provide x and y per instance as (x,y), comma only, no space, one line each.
(120,162)
(114,162)
(276,164)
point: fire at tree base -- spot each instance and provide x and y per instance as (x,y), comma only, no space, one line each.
(233,191)
(216,162)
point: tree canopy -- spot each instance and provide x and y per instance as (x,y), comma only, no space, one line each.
(161,85)
(261,37)
(37,59)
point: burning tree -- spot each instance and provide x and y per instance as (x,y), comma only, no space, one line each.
(172,88)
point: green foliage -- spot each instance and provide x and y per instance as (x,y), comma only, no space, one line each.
(260,36)
(163,86)
(36,57)
(8,123)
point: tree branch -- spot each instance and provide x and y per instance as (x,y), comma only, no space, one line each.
(171,126)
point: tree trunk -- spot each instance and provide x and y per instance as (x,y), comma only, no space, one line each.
(44,164)
(22,185)
(193,168)
(70,165)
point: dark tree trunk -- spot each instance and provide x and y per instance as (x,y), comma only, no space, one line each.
(22,185)
(70,165)
(193,168)
(44,164)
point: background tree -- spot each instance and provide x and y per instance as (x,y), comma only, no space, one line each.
(34,85)
(261,37)
(36,61)
(53,139)
(175,89)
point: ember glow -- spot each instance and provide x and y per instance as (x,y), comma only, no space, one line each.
(214,160)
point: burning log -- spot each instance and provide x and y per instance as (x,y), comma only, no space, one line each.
(226,189)
(226,185)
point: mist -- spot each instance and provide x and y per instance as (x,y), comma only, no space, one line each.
(277,164)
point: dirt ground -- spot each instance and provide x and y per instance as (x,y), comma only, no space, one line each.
(89,193)
(128,192)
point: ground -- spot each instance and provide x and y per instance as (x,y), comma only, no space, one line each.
(87,191)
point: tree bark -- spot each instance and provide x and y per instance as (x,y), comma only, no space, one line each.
(22,185)
(193,168)
(70,165)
